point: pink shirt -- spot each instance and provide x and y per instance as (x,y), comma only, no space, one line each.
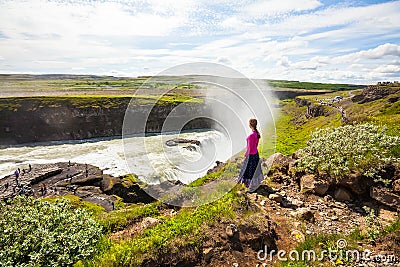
(252,143)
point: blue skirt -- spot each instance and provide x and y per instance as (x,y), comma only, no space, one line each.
(251,168)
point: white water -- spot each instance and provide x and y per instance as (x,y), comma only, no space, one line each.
(156,160)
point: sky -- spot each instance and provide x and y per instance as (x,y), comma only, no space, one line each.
(306,40)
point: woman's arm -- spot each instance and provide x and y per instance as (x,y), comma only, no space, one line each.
(247,147)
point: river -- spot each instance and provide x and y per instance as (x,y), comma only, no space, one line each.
(150,158)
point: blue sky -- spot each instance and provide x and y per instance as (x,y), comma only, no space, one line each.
(306,40)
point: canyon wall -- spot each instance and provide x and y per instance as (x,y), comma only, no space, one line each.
(39,119)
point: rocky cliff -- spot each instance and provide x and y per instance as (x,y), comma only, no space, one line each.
(38,119)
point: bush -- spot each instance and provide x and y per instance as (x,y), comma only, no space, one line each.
(40,233)
(362,148)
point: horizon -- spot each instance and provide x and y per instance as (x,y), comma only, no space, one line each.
(351,42)
(166,75)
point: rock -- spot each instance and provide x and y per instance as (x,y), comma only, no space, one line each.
(278,162)
(275,197)
(342,194)
(149,222)
(208,253)
(191,148)
(396,185)
(176,141)
(219,166)
(328,198)
(304,214)
(83,180)
(356,182)
(315,111)
(371,93)
(277,159)
(310,183)
(297,203)
(393,99)
(230,230)
(335,218)
(384,196)
(90,189)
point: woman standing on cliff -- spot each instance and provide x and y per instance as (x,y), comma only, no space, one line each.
(251,167)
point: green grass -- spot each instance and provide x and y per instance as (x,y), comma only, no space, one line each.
(184,229)
(321,242)
(293,129)
(229,170)
(312,85)
(92,101)
(119,219)
(79,83)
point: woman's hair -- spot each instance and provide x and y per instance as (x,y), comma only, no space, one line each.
(253,123)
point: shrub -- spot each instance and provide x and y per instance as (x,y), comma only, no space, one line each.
(41,233)
(362,148)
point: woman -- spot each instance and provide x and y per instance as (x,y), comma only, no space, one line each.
(251,166)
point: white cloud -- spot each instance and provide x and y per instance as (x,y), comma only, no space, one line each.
(101,18)
(286,39)
(268,8)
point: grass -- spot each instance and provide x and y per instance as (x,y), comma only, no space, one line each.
(119,219)
(89,83)
(321,242)
(184,229)
(229,170)
(312,86)
(92,101)
(293,128)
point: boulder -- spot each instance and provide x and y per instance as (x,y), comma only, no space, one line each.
(356,182)
(384,196)
(342,194)
(310,183)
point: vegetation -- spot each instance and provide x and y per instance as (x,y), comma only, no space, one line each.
(91,101)
(68,83)
(43,233)
(321,242)
(293,128)
(312,86)
(364,149)
(119,219)
(185,228)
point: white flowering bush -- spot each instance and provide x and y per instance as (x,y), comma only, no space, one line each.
(362,148)
(34,232)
